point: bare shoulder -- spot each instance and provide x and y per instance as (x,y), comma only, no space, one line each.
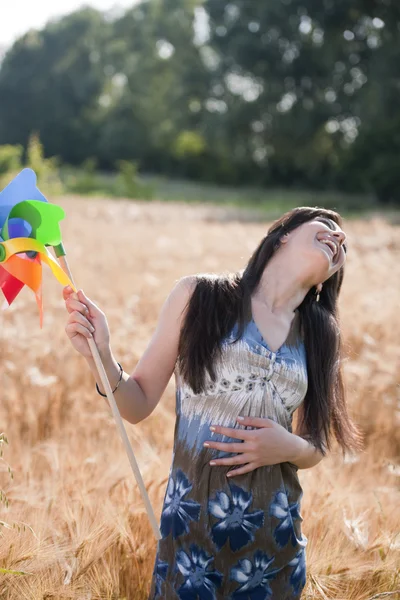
(187,281)
(183,290)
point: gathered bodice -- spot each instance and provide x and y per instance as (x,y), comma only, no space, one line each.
(251,380)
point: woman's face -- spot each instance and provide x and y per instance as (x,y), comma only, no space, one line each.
(320,242)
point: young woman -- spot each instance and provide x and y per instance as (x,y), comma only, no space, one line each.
(248,349)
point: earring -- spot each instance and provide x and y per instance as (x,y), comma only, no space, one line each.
(318,293)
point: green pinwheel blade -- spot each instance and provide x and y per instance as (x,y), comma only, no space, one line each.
(43,217)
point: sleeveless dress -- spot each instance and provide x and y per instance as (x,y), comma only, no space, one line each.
(238,538)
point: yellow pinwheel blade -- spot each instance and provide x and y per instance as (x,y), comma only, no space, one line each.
(18,245)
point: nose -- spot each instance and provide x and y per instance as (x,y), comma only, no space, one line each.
(340,235)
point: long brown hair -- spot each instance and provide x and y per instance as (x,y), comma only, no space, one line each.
(221,300)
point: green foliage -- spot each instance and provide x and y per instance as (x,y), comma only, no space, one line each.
(128,184)
(10,163)
(284,94)
(189,143)
(85,180)
(378,148)
(11,572)
(46,169)
(10,158)
(88,180)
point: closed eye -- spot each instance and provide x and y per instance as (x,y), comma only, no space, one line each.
(331,224)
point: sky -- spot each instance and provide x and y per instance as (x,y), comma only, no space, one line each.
(21,15)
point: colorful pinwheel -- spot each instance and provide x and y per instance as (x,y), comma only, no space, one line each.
(28,224)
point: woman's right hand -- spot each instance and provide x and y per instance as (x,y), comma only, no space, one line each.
(85,321)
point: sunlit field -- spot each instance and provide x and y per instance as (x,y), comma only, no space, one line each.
(75,525)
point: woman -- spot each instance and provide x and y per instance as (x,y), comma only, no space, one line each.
(256,345)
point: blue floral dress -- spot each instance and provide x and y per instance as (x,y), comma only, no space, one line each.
(239,538)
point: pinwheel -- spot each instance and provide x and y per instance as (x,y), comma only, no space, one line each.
(29,225)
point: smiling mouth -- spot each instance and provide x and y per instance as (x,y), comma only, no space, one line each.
(333,254)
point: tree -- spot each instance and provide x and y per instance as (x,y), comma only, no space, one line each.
(50,82)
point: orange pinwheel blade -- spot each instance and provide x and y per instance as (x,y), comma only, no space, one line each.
(29,272)
(39,302)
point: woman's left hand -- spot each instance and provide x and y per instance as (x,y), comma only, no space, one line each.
(268,445)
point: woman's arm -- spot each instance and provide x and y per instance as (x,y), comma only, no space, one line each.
(303,454)
(139,393)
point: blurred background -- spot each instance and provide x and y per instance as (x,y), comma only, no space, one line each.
(174,132)
(243,102)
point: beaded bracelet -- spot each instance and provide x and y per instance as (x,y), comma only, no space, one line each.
(121,372)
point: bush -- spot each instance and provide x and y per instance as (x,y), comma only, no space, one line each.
(372,162)
(10,159)
(10,163)
(85,181)
(128,184)
(46,169)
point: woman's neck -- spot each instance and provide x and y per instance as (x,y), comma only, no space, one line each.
(280,288)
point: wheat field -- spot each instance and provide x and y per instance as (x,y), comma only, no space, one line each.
(73,522)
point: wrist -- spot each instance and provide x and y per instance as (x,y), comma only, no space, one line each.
(105,352)
(107,359)
(106,355)
(121,373)
(297,448)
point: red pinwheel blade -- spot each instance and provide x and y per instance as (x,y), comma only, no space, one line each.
(9,285)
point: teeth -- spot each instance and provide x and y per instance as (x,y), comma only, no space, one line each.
(331,245)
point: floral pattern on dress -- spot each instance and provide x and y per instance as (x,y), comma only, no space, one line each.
(236,522)
(200,578)
(298,576)
(160,571)
(286,513)
(177,511)
(254,577)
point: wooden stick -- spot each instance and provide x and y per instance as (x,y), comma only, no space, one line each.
(120,425)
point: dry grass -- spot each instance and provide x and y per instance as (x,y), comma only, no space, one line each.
(86,534)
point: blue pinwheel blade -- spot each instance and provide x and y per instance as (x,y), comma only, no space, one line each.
(22,187)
